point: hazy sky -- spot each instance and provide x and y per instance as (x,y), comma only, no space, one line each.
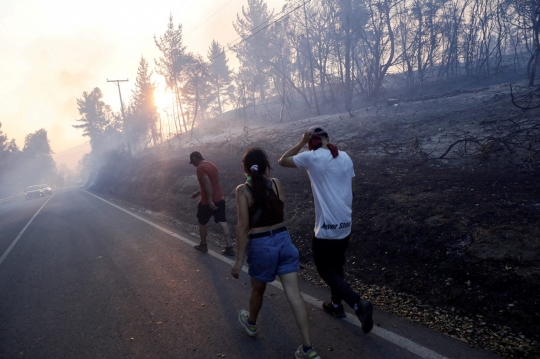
(53,50)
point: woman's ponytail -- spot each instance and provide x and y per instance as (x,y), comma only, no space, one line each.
(256,164)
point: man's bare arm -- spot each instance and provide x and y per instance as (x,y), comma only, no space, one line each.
(287,159)
(209,191)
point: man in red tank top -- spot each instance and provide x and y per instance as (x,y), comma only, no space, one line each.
(212,202)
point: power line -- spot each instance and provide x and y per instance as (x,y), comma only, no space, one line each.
(276,15)
(230,46)
(146,42)
(263,23)
(221,8)
(239,38)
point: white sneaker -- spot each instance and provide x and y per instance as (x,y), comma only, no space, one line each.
(311,354)
(251,329)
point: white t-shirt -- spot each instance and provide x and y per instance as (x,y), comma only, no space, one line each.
(332,192)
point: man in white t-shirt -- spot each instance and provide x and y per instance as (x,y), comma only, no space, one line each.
(331,174)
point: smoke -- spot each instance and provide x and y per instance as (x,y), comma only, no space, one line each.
(52,73)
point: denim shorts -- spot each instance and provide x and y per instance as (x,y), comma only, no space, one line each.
(272,254)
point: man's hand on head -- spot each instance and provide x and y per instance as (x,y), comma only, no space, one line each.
(287,159)
(307,136)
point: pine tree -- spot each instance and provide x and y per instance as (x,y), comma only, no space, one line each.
(142,111)
(196,89)
(251,52)
(9,161)
(171,65)
(220,74)
(95,119)
(37,155)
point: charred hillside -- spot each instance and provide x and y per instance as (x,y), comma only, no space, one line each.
(450,242)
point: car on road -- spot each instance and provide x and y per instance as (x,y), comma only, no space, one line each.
(34,191)
(78,182)
(46,188)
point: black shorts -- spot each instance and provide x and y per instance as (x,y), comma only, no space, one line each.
(204,212)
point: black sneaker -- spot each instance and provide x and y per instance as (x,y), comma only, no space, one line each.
(365,314)
(338,312)
(228,251)
(201,247)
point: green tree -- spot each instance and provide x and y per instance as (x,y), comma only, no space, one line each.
(171,64)
(3,140)
(39,165)
(9,161)
(97,120)
(37,144)
(196,89)
(220,74)
(6,146)
(241,93)
(254,18)
(142,113)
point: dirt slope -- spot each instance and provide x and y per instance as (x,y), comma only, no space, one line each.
(451,243)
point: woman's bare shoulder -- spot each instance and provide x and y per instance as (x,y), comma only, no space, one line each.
(278,184)
(241,188)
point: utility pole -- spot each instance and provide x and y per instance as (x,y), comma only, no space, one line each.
(117,83)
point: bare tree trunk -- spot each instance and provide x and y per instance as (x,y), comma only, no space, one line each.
(311,63)
(533,62)
(282,100)
(534,59)
(175,115)
(348,92)
(196,106)
(179,107)
(388,63)
(219,97)
(245,103)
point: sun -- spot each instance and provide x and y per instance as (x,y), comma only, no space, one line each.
(163,99)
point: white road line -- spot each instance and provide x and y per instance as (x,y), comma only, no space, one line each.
(24,229)
(398,340)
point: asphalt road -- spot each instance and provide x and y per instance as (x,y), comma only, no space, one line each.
(85,279)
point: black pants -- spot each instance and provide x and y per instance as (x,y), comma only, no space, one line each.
(329,256)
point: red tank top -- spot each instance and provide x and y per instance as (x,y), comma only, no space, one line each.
(210,170)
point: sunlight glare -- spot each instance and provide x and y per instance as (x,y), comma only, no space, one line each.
(162,98)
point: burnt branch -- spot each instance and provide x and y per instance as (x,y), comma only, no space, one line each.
(511,138)
(529,98)
(462,142)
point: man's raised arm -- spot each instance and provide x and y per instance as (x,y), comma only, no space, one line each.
(287,159)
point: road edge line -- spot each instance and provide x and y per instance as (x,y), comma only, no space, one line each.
(396,339)
(4,256)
